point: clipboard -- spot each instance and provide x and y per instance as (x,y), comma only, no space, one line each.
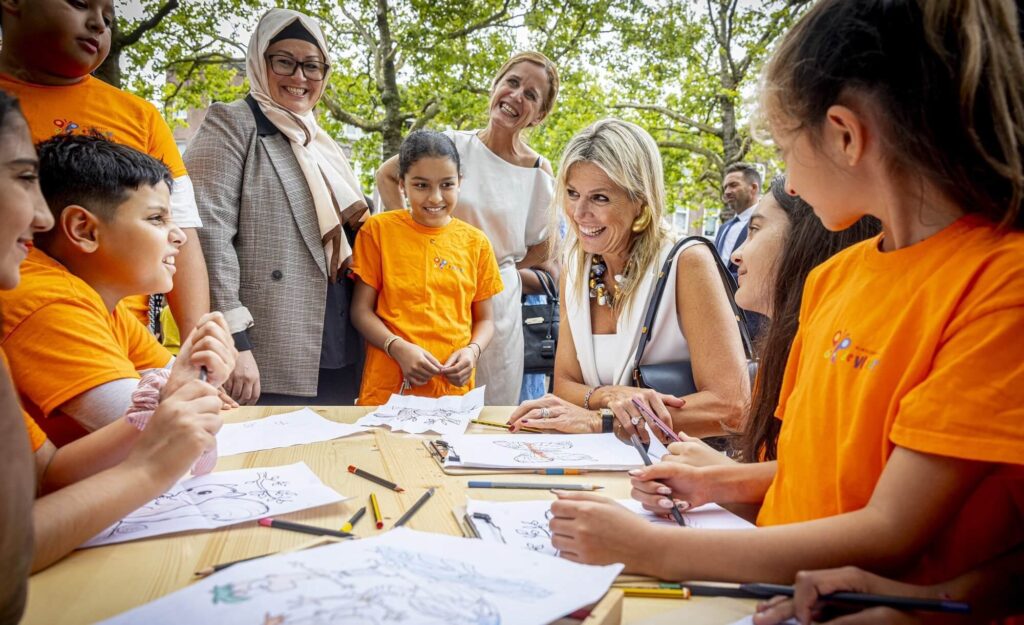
(439,452)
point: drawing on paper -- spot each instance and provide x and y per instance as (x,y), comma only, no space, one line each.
(430,416)
(537,533)
(390,586)
(535,453)
(229,502)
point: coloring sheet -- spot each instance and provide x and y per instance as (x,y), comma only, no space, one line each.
(524,524)
(284,430)
(402,576)
(220,499)
(548,451)
(446,415)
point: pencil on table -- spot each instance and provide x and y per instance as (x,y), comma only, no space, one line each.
(347,527)
(375,506)
(504,426)
(375,479)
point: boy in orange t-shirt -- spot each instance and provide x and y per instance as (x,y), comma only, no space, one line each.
(425,280)
(75,350)
(59,96)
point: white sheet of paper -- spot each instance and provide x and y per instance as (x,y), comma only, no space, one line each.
(548,451)
(300,427)
(220,499)
(446,415)
(524,524)
(399,577)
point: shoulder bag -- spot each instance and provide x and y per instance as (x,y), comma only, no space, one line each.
(540,328)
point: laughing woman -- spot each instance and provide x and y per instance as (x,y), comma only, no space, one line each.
(275,191)
(506,193)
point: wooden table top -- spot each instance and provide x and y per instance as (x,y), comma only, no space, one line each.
(94,584)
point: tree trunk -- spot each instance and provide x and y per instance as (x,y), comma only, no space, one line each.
(391,99)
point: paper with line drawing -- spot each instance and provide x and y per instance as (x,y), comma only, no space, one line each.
(547,451)
(220,499)
(402,577)
(524,524)
(450,414)
(300,427)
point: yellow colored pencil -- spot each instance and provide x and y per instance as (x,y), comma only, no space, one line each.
(376,511)
(504,426)
(664,593)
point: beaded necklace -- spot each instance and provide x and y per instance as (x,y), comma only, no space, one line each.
(598,290)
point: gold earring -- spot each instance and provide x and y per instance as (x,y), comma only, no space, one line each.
(642,221)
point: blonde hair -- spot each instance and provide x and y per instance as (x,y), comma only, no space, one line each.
(537,58)
(630,157)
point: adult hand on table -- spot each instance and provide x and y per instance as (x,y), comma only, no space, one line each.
(459,366)
(592,529)
(417,364)
(208,346)
(620,402)
(244,383)
(553,413)
(810,585)
(182,427)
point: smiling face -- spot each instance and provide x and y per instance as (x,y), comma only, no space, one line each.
(23,210)
(139,243)
(431,185)
(297,93)
(517,100)
(76,32)
(759,256)
(600,211)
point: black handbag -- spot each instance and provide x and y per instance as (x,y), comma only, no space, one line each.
(540,328)
(676,378)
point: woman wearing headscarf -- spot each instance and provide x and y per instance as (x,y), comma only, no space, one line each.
(277,196)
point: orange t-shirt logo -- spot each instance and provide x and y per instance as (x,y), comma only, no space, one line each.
(843,350)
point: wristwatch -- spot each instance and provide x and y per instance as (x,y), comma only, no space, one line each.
(607,420)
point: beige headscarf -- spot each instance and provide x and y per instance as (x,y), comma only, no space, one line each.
(336,193)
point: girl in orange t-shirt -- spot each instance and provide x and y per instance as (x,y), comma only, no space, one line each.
(903,396)
(425,279)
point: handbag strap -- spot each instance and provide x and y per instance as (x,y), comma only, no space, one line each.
(659,289)
(547,282)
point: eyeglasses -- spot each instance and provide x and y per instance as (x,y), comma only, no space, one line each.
(286,66)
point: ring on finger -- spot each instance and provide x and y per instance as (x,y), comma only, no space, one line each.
(545,413)
(634,420)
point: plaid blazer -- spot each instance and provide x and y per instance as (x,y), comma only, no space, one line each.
(261,242)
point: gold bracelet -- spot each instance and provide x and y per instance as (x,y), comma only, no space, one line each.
(387,344)
(478,350)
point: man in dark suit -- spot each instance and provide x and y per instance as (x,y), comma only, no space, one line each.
(741,190)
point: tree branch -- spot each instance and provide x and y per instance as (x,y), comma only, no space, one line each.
(690,147)
(147,25)
(667,112)
(490,20)
(339,113)
(429,112)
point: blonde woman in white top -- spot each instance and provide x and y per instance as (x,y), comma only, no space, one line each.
(611,190)
(506,192)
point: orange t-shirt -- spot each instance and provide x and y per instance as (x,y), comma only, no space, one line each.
(427,280)
(94,105)
(61,342)
(36,437)
(918,347)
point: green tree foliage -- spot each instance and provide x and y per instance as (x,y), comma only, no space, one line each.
(683,69)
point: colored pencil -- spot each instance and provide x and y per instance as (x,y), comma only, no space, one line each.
(665,593)
(504,426)
(416,506)
(866,599)
(347,527)
(676,514)
(374,478)
(655,420)
(378,519)
(210,570)
(299,527)
(560,472)
(532,486)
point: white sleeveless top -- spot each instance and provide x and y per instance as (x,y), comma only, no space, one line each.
(608,359)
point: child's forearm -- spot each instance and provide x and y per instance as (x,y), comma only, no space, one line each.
(483,332)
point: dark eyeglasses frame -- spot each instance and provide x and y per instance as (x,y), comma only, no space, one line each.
(297,64)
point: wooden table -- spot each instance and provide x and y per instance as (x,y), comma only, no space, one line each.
(93,584)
